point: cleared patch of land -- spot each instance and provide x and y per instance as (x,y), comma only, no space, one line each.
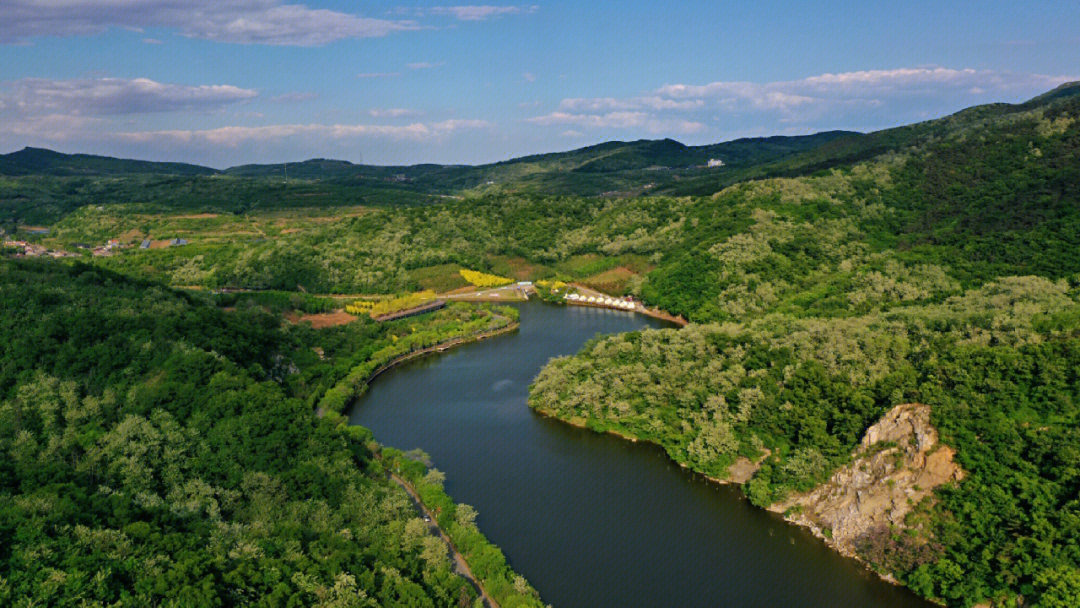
(323,319)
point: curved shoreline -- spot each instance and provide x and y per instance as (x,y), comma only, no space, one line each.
(441,347)
(362,387)
(633,439)
(888,578)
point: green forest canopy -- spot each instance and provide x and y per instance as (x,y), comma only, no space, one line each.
(937,262)
(159,450)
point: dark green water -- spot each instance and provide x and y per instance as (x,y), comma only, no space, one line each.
(593,520)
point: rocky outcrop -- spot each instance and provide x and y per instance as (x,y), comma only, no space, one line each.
(898,463)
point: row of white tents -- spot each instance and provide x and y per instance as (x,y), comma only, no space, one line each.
(601,301)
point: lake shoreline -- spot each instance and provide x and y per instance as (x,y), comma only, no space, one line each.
(362,387)
(441,347)
(633,439)
(888,578)
(473,424)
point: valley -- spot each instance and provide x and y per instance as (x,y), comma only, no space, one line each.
(875,336)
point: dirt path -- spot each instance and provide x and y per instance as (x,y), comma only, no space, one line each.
(461,566)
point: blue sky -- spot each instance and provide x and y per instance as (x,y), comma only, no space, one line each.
(228,82)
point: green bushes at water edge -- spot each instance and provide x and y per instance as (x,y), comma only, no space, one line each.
(466,322)
(458,521)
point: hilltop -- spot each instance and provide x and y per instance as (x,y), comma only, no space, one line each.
(44,186)
(40,161)
(607,165)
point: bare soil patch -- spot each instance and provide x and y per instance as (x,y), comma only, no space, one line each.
(611,281)
(328,319)
(195,216)
(323,319)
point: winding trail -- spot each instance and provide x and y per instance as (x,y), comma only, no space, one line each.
(461,566)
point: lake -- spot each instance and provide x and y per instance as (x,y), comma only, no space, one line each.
(593,520)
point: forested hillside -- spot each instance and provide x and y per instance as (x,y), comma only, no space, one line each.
(43,186)
(159,450)
(39,161)
(944,274)
(826,280)
(999,365)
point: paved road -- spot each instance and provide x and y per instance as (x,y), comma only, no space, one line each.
(508,293)
(461,567)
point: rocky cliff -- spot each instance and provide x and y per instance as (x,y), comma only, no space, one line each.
(897,465)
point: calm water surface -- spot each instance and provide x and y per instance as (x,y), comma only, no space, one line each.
(592,520)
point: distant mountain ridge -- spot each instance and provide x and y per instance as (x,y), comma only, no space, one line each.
(42,161)
(600,158)
(613,168)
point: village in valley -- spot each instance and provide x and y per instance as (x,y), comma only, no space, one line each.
(21,248)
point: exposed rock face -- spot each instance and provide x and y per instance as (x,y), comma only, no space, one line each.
(898,464)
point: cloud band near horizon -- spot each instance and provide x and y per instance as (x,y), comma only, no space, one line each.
(97,113)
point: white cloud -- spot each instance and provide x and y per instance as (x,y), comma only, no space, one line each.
(111,96)
(862,87)
(528,77)
(51,127)
(237,21)
(459,124)
(378,74)
(294,97)
(830,100)
(620,120)
(236,135)
(651,102)
(424,65)
(596,121)
(107,113)
(393,112)
(479,12)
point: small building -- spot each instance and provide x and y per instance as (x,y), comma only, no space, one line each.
(177,242)
(145,244)
(715,162)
